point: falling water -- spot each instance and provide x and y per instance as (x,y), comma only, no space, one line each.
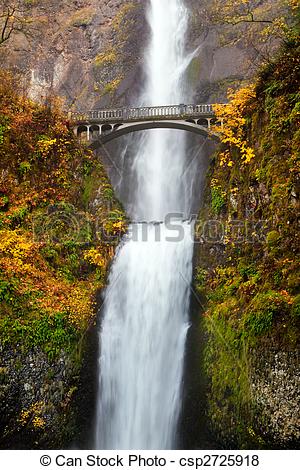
(145,321)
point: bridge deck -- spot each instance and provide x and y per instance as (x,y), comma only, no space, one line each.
(145,113)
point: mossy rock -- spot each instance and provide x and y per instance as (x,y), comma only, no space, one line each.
(82,17)
(295,312)
(273,238)
(194,71)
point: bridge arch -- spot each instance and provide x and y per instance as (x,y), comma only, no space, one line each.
(82,132)
(95,131)
(203,122)
(106,128)
(124,129)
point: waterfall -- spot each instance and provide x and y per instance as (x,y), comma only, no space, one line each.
(145,318)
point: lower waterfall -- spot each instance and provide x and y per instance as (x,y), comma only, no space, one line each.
(142,341)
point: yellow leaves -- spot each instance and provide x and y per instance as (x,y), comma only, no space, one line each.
(225,159)
(33,416)
(45,146)
(78,305)
(111,87)
(294,4)
(241,99)
(232,115)
(15,244)
(264,20)
(19,257)
(248,154)
(82,17)
(119,227)
(93,256)
(38,422)
(214,183)
(24,416)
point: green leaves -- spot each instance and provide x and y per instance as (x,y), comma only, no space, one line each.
(51,333)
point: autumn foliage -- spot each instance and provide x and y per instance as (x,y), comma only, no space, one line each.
(51,263)
(232,131)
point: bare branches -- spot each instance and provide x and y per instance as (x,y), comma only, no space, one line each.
(14,19)
(249,18)
(234,12)
(258,25)
(8,25)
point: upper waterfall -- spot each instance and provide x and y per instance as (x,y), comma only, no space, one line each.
(159,163)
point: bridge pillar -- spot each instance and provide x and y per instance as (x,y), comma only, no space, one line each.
(88,133)
(209,122)
(182,109)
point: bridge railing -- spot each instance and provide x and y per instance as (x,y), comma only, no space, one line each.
(153,112)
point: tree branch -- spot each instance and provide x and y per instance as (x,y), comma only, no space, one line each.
(247,20)
(6,30)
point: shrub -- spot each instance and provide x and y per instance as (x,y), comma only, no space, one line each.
(217,199)
(263,310)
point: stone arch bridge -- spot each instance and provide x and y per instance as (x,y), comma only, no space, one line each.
(102,126)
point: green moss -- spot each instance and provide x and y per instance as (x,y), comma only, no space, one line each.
(121,19)
(273,238)
(89,186)
(106,58)
(51,334)
(112,87)
(194,70)
(217,199)
(108,193)
(295,311)
(200,278)
(82,17)
(252,286)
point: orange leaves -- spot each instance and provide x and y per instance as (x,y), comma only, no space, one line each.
(74,300)
(42,163)
(78,305)
(20,258)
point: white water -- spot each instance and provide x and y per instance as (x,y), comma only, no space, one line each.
(145,319)
(160,162)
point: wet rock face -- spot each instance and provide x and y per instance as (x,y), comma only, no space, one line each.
(224,57)
(88,52)
(275,388)
(35,398)
(91,53)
